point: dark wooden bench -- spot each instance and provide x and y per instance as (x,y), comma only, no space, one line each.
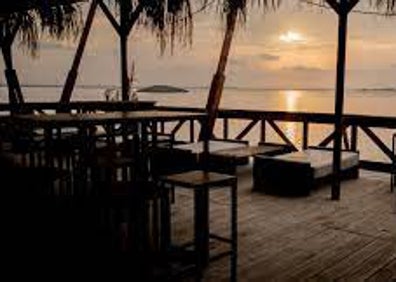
(298,173)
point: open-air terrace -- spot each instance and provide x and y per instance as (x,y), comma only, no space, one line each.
(279,238)
(304,239)
(100,181)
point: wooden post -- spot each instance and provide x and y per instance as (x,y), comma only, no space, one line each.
(354,137)
(192,131)
(305,134)
(225,128)
(127,19)
(342,8)
(339,99)
(263,131)
(72,75)
(15,96)
(124,28)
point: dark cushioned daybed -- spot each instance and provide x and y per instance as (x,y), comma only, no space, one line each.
(298,173)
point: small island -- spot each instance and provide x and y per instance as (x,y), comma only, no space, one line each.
(162,88)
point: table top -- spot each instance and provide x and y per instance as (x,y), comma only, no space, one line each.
(104,117)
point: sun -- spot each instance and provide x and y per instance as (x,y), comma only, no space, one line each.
(291,37)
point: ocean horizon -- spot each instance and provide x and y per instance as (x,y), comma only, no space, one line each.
(373,101)
(105,86)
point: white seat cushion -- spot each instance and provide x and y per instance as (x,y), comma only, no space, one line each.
(321,161)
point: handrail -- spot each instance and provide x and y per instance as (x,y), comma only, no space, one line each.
(355,125)
(81,106)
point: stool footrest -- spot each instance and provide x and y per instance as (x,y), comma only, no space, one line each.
(220,255)
(212,236)
(187,245)
(220,238)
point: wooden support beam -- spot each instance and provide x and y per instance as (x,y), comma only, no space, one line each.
(281,134)
(327,140)
(110,17)
(352,4)
(177,127)
(73,73)
(378,142)
(135,15)
(334,5)
(247,129)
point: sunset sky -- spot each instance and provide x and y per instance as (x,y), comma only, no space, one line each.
(293,47)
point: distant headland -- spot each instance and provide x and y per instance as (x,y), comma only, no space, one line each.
(162,88)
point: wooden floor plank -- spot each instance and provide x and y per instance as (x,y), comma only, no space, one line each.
(311,238)
(362,263)
(385,273)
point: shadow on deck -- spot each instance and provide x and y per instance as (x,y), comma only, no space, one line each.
(311,238)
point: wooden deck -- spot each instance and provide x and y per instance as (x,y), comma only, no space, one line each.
(311,238)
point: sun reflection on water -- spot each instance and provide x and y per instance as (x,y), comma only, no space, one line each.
(292,98)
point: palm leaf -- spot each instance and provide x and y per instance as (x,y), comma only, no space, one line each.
(61,19)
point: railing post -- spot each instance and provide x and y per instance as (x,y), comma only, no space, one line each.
(192,131)
(262,131)
(162,127)
(305,134)
(225,128)
(354,137)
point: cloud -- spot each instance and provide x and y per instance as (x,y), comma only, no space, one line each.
(247,60)
(268,57)
(303,69)
(237,62)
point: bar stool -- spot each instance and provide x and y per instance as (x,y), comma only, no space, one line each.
(201,182)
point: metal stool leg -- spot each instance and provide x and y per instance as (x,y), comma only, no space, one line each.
(201,228)
(165,219)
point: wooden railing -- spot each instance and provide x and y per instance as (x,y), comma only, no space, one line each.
(355,126)
(80,106)
(261,123)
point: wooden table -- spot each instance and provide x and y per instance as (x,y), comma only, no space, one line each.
(83,121)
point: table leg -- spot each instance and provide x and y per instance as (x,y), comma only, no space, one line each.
(201,226)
